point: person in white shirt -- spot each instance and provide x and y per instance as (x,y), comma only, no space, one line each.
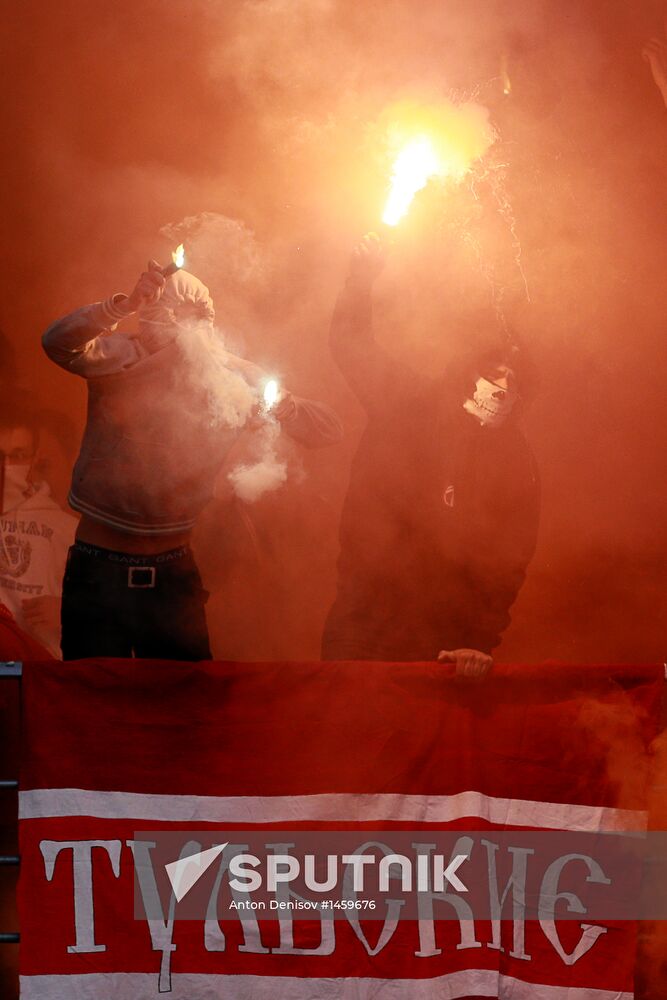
(35,533)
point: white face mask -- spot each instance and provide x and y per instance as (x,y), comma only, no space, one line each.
(17,486)
(490,404)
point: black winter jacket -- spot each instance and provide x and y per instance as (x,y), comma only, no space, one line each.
(440,520)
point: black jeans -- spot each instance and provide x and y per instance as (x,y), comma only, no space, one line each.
(121,605)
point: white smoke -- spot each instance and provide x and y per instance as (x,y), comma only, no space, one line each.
(217,245)
(230,397)
(225,252)
(234,399)
(250,482)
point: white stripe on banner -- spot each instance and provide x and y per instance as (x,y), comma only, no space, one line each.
(140,986)
(240,810)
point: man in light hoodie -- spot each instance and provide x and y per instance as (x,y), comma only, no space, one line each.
(35,533)
(166,404)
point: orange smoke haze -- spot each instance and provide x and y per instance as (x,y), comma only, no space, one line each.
(258,134)
(261,133)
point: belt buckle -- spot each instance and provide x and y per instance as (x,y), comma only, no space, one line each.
(137,581)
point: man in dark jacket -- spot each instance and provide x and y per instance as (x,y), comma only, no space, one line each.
(440,520)
(165,406)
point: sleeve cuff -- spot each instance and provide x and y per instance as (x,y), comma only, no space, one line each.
(110,312)
(291,412)
(115,307)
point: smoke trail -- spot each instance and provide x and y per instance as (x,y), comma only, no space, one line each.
(250,482)
(219,245)
(230,397)
(231,387)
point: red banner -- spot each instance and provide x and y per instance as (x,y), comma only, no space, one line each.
(114,749)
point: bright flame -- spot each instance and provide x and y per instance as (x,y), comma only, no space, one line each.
(178,256)
(442,140)
(271,393)
(414,166)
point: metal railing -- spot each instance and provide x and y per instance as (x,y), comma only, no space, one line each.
(10,670)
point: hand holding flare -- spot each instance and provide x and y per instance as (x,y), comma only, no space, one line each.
(177,261)
(148,288)
(150,285)
(276,401)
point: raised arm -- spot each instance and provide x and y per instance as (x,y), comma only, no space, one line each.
(83,341)
(372,374)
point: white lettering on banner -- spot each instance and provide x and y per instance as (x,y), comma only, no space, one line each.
(284,896)
(161,931)
(425,900)
(281,866)
(517,884)
(82,880)
(550,892)
(350,889)
(214,938)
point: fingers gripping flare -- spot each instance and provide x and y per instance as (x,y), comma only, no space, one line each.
(148,289)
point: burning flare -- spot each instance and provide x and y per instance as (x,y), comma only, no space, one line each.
(442,140)
(414,166)
(271,393)
(177,261)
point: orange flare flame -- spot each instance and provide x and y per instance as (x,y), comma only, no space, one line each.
(414,166)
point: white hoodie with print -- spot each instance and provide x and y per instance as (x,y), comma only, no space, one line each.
(35,537)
